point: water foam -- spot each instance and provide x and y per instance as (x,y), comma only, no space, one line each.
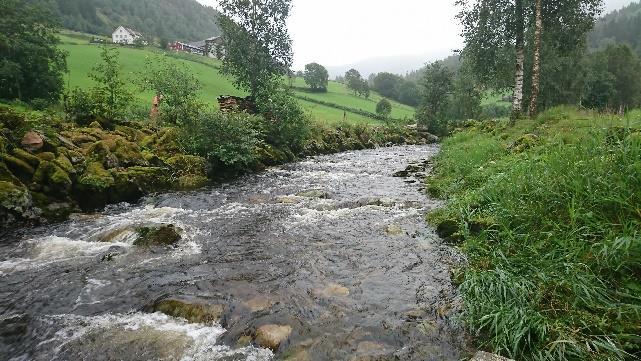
(202,338)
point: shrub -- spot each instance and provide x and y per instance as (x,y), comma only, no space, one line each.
(79,106)
(286,125)
(384,108)
(229,139)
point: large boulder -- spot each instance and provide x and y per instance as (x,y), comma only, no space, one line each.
(95,178)
(183,165)
(165,235)
(192,312)
(15,201)
(50,178)
(27,157)
(32,141)
(19,167)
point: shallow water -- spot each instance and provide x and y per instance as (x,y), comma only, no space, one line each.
(357,274)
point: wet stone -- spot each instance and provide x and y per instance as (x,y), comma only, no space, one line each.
(272,336)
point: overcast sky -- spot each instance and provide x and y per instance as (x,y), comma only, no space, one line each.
(338,32)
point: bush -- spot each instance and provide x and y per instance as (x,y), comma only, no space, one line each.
(79,106)
(286,125)
(229,139)
(384,108)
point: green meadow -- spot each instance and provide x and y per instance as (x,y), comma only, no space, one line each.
(82,57)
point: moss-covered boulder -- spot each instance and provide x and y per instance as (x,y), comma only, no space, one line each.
(271,156)
(192,312)
(63,162)
(183,165)
(19,167)
(15,202)
(128,153)
(52,208)
(165,235)
(192,182)
(47,156)
(134,182)
(99,151)
(165,143)
(50,178)
(95,178)
(7,176)
(25,156)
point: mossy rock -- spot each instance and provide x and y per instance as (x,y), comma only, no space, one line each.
(447,226)
(192,312)
(131,134)
(51,178)
(100,151)
(141,180)
(96,178)
(165,235)
(129,154)
(7,176)
(153,160)
(165,143)
(18,167)
(75,157)
(192,182)
(63,162)
(23,155)
(525,142)
(187,165)
(11,119)
(46,156)
(54,209)
(14,198)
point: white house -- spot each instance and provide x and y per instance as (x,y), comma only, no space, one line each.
(124,35)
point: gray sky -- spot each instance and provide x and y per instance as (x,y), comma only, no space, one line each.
(338,32)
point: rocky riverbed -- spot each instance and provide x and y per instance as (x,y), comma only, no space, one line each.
(325,259)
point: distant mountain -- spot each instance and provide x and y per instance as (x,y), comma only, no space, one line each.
(619,26)
(400,65)
(185,20)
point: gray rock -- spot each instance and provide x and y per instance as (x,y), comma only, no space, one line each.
(485,356)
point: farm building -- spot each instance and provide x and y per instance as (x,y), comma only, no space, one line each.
(123,35)
(212,47)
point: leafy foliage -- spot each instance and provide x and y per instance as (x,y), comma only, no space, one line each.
(287,126)
(176,88)
(111,95)
(356,83)
(316,76)
(257,46)
(185,20)
(230,139)
(614,79)
(436,88)
(621,26)
(31,65)
(384,108)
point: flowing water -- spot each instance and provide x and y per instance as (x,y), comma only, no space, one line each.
(349,265)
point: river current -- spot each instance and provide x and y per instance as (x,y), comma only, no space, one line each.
(333,246)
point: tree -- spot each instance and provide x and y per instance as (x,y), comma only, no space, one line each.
(436,88)
(111,95)
(316,76)
(31,65)
(536,63)
(257,46)
(353,80)
(408,93)
(387,84)
(176,88)
(384,108)
(615,79)
(466,97)
(494,31)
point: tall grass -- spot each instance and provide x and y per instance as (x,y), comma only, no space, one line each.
(552,232)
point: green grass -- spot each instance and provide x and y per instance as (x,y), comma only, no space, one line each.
(339,94)
(82,57)
(549,214)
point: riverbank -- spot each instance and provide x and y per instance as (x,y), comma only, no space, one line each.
(50,168)
(547,212)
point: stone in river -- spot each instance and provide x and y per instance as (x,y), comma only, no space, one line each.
(272,336)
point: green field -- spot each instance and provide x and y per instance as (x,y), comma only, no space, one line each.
(82,57)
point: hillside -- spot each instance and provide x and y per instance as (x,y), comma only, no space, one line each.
(619,26)
(185,20)
(83,56)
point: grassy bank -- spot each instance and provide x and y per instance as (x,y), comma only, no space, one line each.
(549,214)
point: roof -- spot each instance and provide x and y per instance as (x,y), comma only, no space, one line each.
(131,31)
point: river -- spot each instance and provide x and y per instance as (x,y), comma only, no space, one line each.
(334,247)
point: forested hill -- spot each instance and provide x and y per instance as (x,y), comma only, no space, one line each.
(620,26)
(185,20)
